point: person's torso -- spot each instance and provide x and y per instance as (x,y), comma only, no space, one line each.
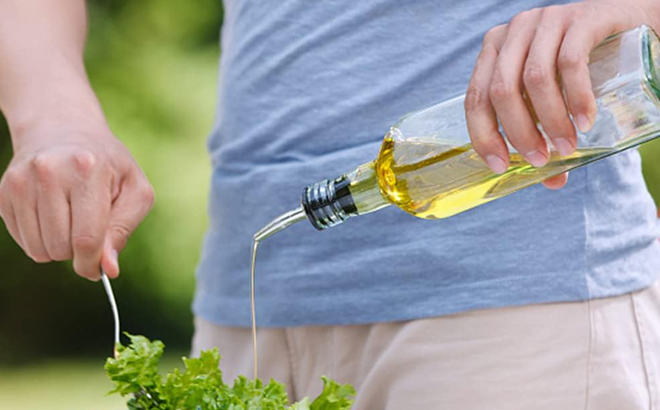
(307,91)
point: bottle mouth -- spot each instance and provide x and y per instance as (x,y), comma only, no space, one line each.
(328,203)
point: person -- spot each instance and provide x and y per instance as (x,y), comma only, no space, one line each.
(544,299)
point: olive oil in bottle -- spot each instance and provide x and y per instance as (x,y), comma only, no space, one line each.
(407,174)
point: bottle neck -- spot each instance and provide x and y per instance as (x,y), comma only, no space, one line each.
(331,202)
(328,203)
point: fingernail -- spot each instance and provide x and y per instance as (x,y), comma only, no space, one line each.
(536,158)
(583,123)
(563,146)
(115,259)
(496,164)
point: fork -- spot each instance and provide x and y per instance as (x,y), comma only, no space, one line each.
(113,305)
(115,314)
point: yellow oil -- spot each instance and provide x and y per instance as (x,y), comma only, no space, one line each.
(431,179)
(253,311)
(281,222)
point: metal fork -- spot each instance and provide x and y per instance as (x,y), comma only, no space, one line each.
(115,314)
(113,305)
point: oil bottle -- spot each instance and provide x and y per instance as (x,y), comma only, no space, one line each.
(427,167)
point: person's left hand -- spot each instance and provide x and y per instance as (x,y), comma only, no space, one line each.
(531,61)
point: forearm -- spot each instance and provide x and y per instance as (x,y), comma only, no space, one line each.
(42,74)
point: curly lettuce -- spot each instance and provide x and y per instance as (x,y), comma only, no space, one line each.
(200,386)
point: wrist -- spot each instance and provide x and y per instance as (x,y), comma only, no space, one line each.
(46,100)
(651,10)
(654,15)
(69,124)
(56,117)
(636,12)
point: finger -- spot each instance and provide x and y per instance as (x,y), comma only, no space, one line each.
(556,182)
(542,86)
(90,208)
(7,214)
(506,92)
(13,186)
(573,64)
(53,211)
(55,219)
(27,220)
(479,113)
(129,209)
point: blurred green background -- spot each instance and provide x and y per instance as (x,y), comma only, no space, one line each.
(153,64)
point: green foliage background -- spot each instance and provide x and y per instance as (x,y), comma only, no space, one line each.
(651,166)
(153,64)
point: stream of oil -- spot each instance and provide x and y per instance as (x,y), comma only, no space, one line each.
(276,225)
(255,244)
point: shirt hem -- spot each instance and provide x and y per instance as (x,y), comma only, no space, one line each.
(403,306)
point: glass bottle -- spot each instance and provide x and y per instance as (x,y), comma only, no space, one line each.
(427,167)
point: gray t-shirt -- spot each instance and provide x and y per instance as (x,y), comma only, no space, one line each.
(307,91)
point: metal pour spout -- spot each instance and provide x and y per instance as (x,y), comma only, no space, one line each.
(281,222)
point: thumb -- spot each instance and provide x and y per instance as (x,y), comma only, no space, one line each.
(110,260)
(129,209)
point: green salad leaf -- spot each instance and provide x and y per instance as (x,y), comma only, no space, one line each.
(334,396)
(200,386)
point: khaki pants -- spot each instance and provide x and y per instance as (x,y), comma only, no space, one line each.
(603,354)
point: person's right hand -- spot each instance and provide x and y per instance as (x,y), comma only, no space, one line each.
(73,194)
(537,67)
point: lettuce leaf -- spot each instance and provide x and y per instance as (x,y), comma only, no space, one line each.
(334,396)
(200,386)
(135,371)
